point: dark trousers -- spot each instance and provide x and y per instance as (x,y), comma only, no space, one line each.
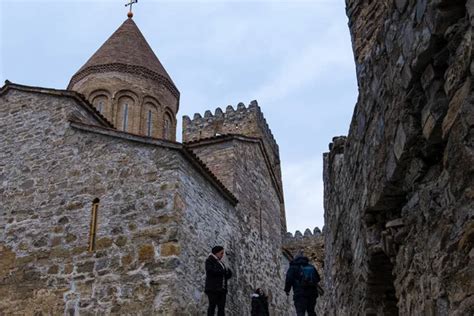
(216,299)
(305,304)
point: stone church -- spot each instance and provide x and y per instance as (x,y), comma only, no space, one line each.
(102,211)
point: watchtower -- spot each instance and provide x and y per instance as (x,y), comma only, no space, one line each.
(202,134)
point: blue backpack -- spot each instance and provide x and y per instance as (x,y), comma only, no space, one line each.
(308,276)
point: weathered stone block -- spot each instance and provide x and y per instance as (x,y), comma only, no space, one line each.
(121,241)
(85,267)
(170,249)
(146,252)
(455,106)
(103,243)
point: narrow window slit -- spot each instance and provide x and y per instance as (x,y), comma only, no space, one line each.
(93,225)
(125,117)
(149,124)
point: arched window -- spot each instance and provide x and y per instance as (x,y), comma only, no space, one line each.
(149,123)
(100,103)
(125,117)
(150,118)
(125,106)
(167,126)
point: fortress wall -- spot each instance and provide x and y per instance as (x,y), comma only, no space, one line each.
(398,189)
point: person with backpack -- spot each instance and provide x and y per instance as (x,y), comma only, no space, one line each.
(217,275)
(259,303)
(303,278)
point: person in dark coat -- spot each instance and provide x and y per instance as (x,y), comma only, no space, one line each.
(304,296)
(259,303)
(217,275)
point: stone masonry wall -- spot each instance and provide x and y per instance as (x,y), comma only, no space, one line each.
(50,172)
(256,244)
(144,95)
(399,189)
(206,221)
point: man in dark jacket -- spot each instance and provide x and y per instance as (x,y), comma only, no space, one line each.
(217,275)
(304,285)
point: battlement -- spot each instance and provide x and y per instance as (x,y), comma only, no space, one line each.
(248,121)
(308,233)
(311,243)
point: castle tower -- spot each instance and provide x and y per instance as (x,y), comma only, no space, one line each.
(126,82)
(217,139)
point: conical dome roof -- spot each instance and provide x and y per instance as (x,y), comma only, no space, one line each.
(126,51)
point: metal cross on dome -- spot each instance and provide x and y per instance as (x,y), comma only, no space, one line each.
(131,3)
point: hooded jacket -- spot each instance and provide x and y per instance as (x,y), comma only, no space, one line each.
(293,278)
(259,305)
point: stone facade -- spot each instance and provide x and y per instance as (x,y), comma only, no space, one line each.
(399,189)
(51,171)
(161,209)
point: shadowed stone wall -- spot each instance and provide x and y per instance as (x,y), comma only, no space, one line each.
(399,189)
(257,242)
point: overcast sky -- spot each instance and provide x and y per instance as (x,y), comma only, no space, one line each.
(294,57)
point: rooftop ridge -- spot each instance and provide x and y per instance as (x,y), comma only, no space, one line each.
(232,113)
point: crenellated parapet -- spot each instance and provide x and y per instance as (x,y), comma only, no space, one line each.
(311,243)
(316,233)
(248,121)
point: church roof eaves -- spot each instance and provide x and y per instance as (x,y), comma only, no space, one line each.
(81,100)
(187,154)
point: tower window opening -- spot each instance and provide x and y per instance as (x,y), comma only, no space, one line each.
(125,116)
(101,106)
(166,127)
(149,123)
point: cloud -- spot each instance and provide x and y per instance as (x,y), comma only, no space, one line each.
(303,188)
